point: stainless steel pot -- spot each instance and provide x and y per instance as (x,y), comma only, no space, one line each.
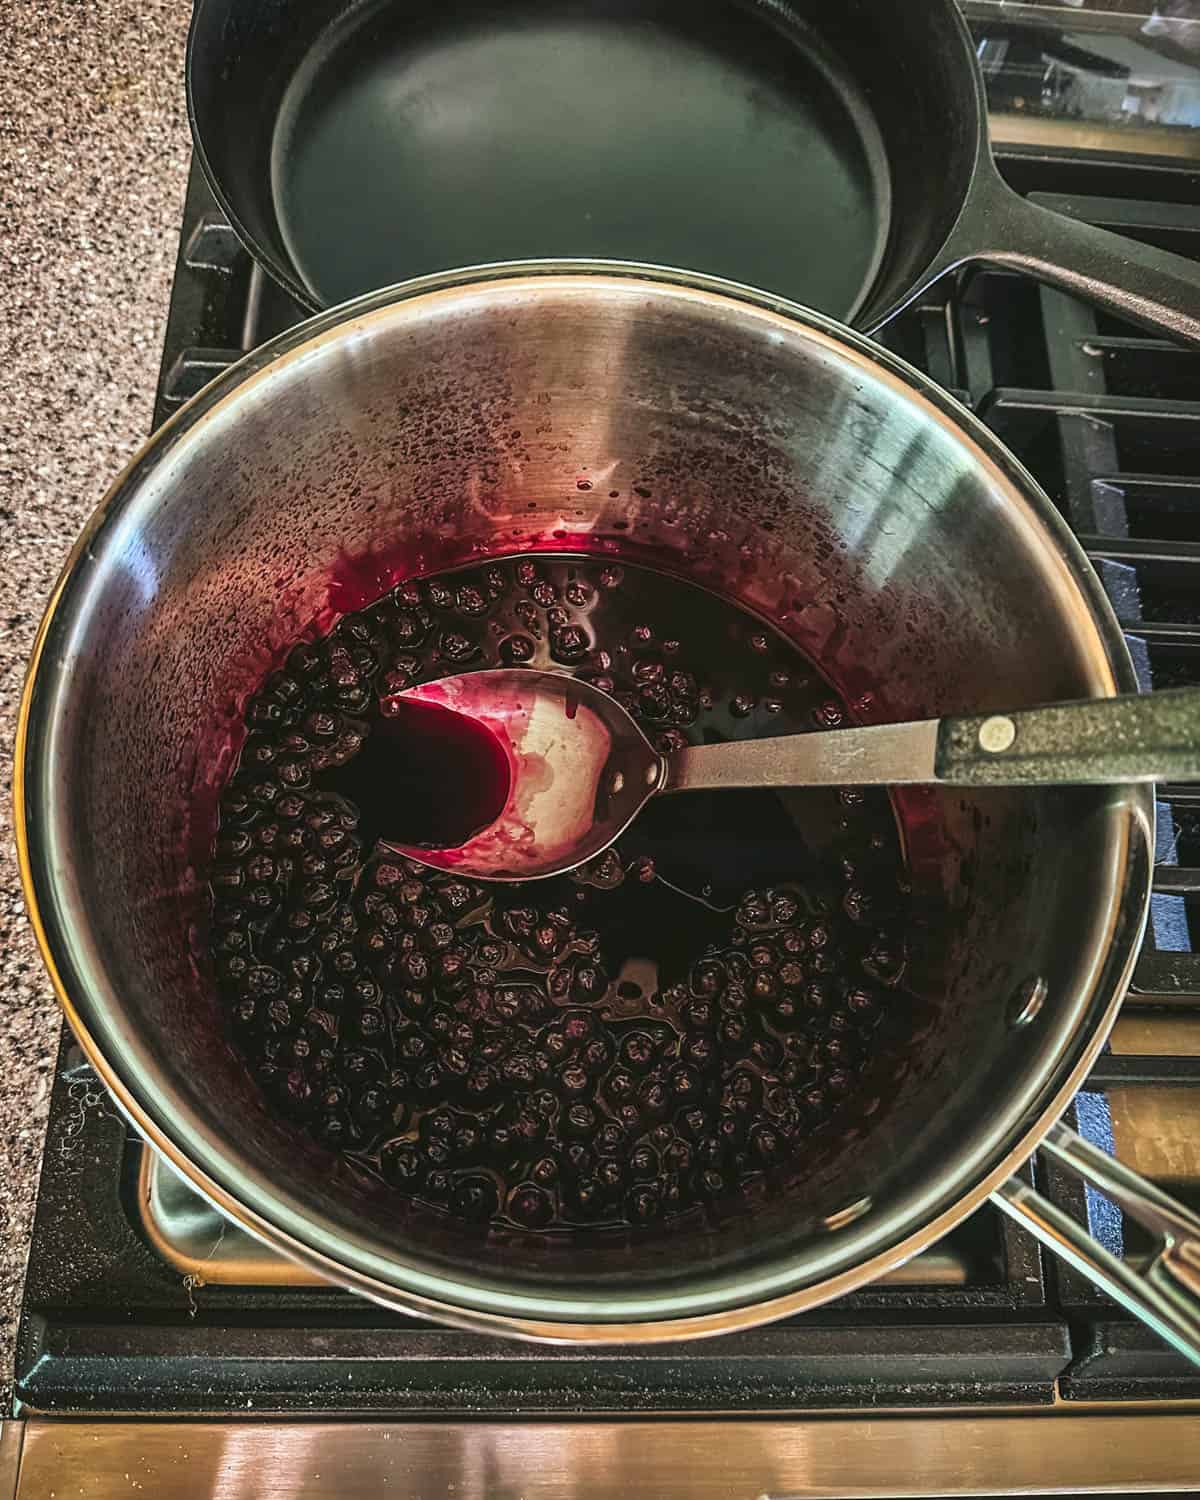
(737,440)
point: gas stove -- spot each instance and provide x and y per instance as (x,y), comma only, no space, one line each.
(983,1364)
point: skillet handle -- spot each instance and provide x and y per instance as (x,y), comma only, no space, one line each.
(1166,1295)
(1137,282)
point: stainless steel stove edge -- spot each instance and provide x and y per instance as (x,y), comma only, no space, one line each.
(1154,1452)
(11,1436)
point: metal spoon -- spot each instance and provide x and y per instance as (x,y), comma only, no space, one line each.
(581,770)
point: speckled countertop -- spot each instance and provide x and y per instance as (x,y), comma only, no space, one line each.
(93,158)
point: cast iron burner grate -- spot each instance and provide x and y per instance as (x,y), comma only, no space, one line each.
(119,1318)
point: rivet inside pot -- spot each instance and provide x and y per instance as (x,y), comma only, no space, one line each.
(1027,1003)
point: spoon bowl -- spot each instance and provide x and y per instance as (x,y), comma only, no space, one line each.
(580,771)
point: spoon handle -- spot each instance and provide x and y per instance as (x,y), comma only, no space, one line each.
(1138,737)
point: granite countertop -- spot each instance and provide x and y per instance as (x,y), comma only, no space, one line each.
(94,152)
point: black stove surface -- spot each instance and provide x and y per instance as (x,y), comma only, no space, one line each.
(1108,420)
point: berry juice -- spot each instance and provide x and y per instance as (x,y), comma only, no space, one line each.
(658,1033)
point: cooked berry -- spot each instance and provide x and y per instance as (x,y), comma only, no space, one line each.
(438,1183)
(830,715)
(577,1159)
(580,1120)
(610,1139)
(767,1052)
(337,1132)
(765,1144)
(644,1163)
(733,1001)
(475,1198)
(545,1172)
(753,911)
(569,644)
(578,1027)
(360,1065)
(654,1097)
(575,1081)
(531,1206)
(841,1051)
(430,1080)
(701,1014)
(372,1023)
(451,972)
(587,1198)
(711,1183)
(678,1156)
(471,600)
(708,980)
(372,996)
(481,1084)
(637,1050)
(545,1102)
(732,1032)
(374,1103)
(596,1055)
(710,1149)
(414,969)
(684,1084)
(519,1071)
(621,1084)
(588,982)
(556,1044)
(884,961)
(413,1047)
(264,982)
(440,594)
(629,1117)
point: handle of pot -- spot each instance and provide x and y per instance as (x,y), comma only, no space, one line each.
(1166,1295)
(1135,737)
(1137,282)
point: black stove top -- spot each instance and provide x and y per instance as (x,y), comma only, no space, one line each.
(139,1300)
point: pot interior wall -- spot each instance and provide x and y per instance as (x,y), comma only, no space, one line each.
(740,449)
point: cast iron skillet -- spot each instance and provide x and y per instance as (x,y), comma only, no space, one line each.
(832,151)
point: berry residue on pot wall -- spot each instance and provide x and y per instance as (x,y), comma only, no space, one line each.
(654,1035)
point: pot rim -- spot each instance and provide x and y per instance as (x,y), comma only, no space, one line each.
(575,1318)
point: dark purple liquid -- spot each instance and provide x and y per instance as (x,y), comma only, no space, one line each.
(657,1034)
(427,777)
